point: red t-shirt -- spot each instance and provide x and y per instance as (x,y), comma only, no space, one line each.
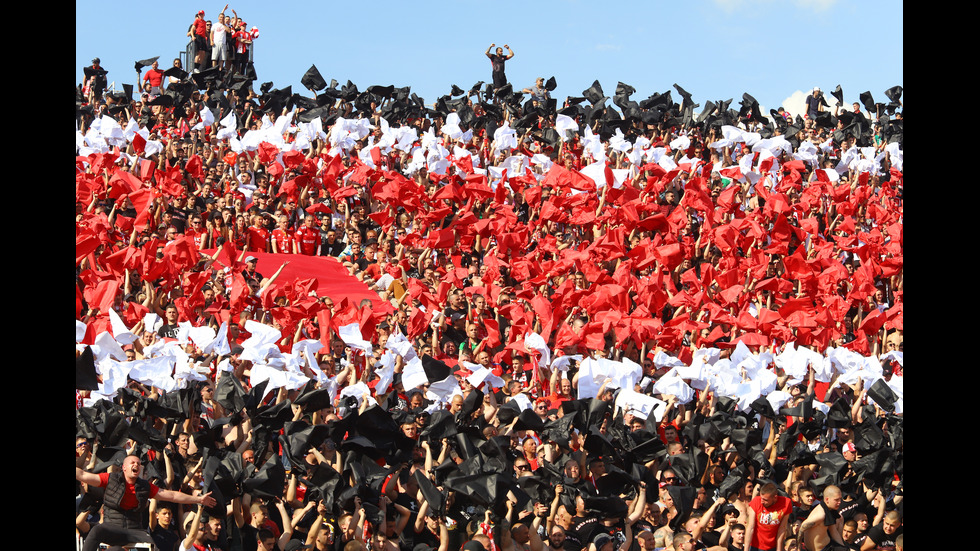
(200,27)
(767,521)
(129,500)
(154,76)
(373,271)
(258,239)
(198,237)
(308,240)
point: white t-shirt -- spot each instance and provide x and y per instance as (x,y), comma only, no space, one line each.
(219,33)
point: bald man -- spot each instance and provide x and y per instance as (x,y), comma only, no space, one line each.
(822,528)
(127,495)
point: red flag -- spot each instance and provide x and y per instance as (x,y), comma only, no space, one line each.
(323,320)
(139,144)
(441,239)
(195,166)
(267,153)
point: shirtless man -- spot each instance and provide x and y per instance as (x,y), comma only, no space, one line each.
(824,524)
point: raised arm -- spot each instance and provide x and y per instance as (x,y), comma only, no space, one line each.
(628,532)
(272,279)
(559,489)
(420,517)
(403,516)
(86,477)
(181,497)
(443,536)
(287,525)
(639,505)
(195,527)
(311,536)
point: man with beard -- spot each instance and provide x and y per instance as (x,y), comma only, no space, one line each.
(556,539)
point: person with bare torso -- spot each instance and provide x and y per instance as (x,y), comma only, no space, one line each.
(822,528)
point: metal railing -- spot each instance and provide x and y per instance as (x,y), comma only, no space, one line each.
(187,55)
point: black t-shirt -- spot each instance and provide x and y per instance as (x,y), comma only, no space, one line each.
(579,535)
(327,249)
(450,311)
(425,536)
(168,331)
(830,516)
(812,106)
(497,63)
(456,528)
(883,541)
(802,512)
(850,508)
(638,527)
(358,260)
(200,203)
(364,225)
(165,539)
(179,219)
(250,538)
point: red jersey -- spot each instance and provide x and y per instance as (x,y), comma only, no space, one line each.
(308,240)
(283,241)
(252,304)
(242,40)
(201,27)
(258,239)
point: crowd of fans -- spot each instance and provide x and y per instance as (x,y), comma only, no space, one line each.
(594,328)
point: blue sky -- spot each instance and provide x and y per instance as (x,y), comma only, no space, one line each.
(776,50)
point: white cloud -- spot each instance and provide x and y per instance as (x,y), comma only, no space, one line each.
(796,103)
(816,5)
(608,47)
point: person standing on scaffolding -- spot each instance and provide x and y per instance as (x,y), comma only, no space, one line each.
(497,61)
(199,32)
